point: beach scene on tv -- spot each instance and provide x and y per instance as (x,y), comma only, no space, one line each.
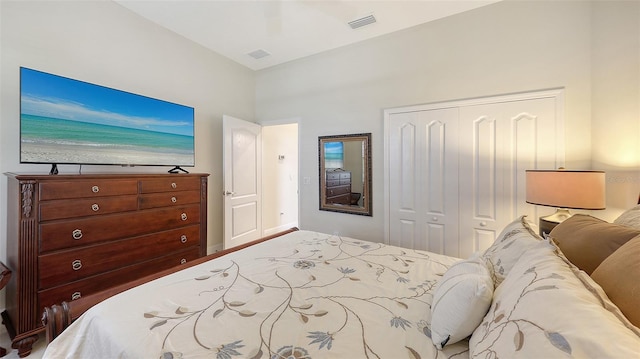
(69,121)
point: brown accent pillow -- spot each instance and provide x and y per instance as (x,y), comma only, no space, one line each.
(586,241)
(619,276)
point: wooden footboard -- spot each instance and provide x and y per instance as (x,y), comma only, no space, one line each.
(58,317)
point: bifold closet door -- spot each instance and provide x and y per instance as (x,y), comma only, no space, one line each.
(498,142)
(423,180)
(456,171)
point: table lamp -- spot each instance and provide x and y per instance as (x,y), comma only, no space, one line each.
(564,190)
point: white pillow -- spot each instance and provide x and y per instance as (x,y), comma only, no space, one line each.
(548,308)
(629,218)
(515,239)
(460,301)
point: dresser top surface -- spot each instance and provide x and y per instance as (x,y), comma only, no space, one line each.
(77,176)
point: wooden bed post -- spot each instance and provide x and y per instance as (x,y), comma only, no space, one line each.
(55,319)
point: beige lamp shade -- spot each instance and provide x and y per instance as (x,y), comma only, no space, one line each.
(566,189)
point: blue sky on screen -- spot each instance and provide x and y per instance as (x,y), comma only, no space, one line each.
(48,95)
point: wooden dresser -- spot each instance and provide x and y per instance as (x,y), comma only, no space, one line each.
(338,187)
(73,235)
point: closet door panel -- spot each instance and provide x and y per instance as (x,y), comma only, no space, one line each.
(435,238)
(484,172)
(502,141)
(532,125)
(403,179)
(406,236)
(482,187)
(423,176)
(440,179)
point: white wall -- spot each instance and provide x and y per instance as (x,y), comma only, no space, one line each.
(103,43)
(616,101)
(507,47)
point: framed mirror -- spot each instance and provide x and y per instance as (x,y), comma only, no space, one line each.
(345,173)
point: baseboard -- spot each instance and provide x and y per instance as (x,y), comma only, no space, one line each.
(214,248)
(280,228)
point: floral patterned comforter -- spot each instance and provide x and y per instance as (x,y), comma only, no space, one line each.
(303,295)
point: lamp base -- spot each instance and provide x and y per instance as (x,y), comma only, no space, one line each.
(547,223)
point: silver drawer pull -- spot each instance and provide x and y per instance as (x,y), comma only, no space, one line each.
(76,234)
(183,238)
(76,296)
(95,189)
(76,265)
(95,207)
(174,200)
(174,185)
(183,216)
(183,261)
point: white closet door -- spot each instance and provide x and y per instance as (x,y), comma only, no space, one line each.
(499,141)
(455,171)
(423,180)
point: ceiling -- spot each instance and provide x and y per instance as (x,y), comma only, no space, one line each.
(288,30)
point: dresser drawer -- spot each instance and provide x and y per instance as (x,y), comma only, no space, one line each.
(90,285)
(87,188)
(92,230)
(60,209)
(71,265)
(338,175)
(170,184)
(154,200)
(333,183)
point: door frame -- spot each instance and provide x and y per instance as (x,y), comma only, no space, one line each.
(288,121)
(557,93)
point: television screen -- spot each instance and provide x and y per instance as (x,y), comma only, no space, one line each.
(66,121)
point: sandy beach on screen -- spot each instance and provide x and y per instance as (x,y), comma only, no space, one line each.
(80,154)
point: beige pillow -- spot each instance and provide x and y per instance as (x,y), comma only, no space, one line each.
(586,241)
(619,276)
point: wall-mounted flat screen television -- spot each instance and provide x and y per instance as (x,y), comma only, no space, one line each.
(66,121)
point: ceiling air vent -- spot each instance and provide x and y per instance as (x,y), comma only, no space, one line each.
(362,21)
(258,54)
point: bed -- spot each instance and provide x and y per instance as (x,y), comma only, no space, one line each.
(313,295)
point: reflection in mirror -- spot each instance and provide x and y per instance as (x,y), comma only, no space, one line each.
(345,173)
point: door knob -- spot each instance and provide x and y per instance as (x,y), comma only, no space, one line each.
(227,193)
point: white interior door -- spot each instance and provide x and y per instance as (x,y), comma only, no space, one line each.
(242,154)
(423,180)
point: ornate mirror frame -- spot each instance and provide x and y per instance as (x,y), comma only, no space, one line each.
(344,163)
